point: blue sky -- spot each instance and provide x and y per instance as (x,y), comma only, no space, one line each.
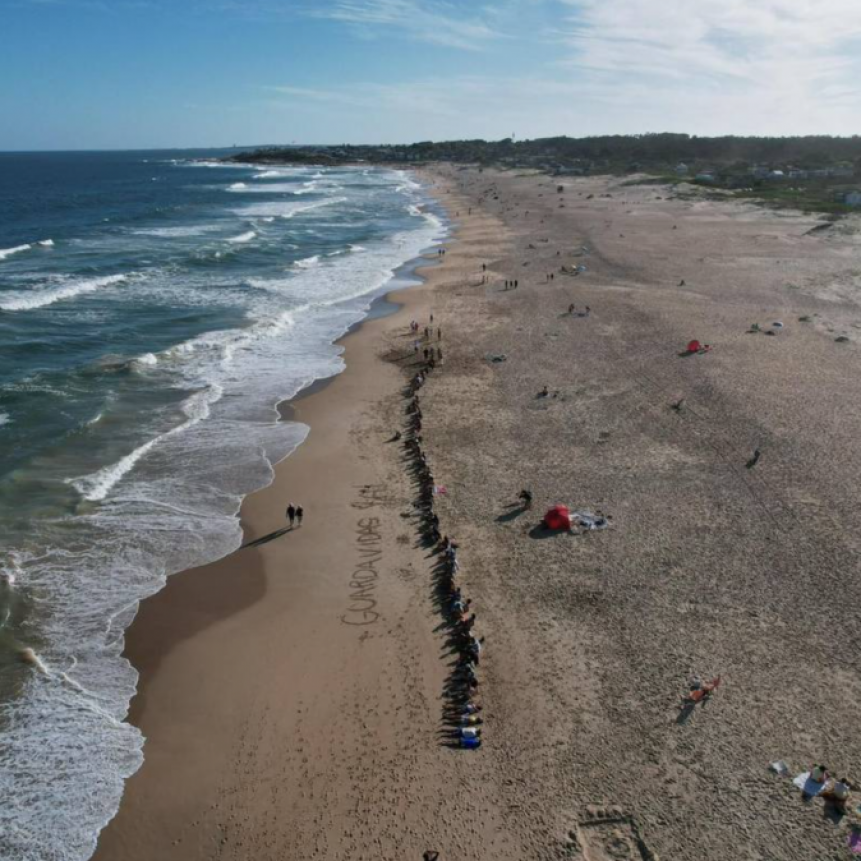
(86,74)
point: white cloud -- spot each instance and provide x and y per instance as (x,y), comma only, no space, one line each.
(436,21)
(793,63)
(768,67)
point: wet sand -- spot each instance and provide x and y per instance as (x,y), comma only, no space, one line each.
(278,727)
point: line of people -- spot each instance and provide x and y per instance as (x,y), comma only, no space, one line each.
(462,720)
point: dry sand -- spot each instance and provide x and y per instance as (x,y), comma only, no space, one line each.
(278,731)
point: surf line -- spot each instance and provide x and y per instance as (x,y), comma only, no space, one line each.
(366,574)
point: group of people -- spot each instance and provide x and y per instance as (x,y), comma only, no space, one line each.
(295,513)
(834,790)
(462,715)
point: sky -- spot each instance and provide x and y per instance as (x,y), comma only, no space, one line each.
(128,74)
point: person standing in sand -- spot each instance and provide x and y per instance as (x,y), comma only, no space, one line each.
(300,513)
(291,514)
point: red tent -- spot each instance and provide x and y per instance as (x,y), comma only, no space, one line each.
(694,347)
(557,518)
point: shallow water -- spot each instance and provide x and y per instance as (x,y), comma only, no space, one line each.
(153,312)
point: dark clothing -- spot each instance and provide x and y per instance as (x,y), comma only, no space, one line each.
(291,514)
(300,513)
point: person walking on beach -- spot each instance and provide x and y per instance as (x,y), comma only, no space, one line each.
(291,514)
(300,513)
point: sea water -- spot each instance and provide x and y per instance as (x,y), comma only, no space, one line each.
(154,310)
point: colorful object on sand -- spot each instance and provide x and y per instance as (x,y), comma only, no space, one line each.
(696,347)
(701,693)
(558,517)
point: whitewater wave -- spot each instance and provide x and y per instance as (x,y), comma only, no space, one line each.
(211,164)
(168,232)
(97,486)
(147,360)
(281,209)
(308,262)
(274,188)
(8,252)
(243,237)
(30,300)
(5,419)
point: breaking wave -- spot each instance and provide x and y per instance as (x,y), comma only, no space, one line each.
(30,300)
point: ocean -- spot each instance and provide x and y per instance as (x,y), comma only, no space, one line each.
(155,308)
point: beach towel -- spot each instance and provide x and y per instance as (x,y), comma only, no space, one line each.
(589,521)
(439,489)
(853,841)
(807,784)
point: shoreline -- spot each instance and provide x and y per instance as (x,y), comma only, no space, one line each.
(240,581)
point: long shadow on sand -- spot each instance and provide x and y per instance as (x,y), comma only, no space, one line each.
(539,532)
(265,539)
(511,515)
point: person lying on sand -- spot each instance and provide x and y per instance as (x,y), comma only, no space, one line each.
(837,793)
(819,773)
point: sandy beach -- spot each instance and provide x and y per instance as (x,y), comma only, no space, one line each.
(293,712)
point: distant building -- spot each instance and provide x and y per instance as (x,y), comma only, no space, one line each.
(682,169)
(759,172)
(843,170)
(776,174)
(852,198)
(798,173)
(706,176)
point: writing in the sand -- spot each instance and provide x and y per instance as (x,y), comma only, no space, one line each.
(370,496)
(363,580)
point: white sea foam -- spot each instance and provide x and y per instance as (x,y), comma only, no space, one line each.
(168,232)
(268,174)
(308,262)
(214,164)
(31,299)
(273,188)
(97,486)
(243,237)
(5,419)
(285,209)
(147,360)
(46,243)
(8,252)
